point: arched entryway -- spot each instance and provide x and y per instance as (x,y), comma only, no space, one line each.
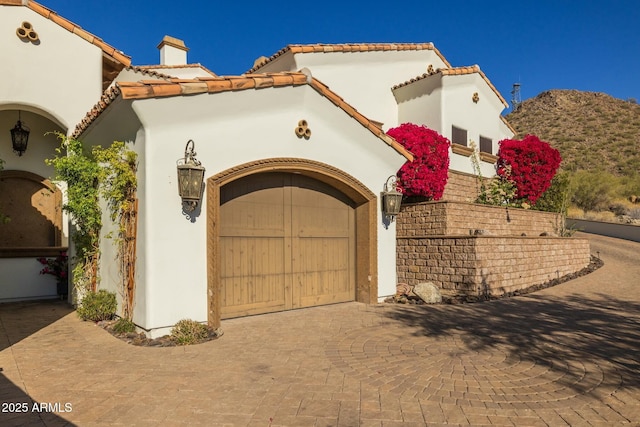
(286,234)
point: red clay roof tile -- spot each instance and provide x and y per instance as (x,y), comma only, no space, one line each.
(221,85)
(240,83)
(190,88)
(148,72)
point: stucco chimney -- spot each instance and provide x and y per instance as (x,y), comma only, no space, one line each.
(172,51)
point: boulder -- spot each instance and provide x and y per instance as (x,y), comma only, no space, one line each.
(428,292)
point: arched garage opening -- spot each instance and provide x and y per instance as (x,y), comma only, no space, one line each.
(288,233)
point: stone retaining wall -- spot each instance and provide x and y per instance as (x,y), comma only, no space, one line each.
(493,265)
(436,242)
(460,218)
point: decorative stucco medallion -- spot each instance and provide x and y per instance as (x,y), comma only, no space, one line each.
(302,130)
(26,32)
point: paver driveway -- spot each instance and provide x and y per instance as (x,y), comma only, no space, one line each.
(569,355)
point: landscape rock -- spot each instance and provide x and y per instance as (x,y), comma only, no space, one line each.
(428,292)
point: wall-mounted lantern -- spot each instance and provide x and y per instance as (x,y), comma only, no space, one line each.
(190,178)
(19,137)
(391,198)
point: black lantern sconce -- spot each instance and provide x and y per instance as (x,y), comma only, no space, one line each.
(190,178)
(391,198)
(19,137)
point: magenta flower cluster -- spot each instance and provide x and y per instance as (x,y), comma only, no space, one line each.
(57,266)
(427,174)
(533,164)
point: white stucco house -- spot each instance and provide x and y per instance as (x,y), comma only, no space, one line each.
(288,219)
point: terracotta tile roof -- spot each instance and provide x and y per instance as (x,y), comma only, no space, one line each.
(148,72)
(458,71)
(349,47)
(180,87)
(168,67)
(75,29)
(108,96)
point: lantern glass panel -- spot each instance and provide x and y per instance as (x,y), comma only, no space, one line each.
(190,178)
(392,201)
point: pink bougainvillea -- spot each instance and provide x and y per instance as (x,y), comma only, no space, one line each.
(427,175)
(532,163)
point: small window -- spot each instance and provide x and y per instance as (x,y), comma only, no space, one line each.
(486,145)
(458,136)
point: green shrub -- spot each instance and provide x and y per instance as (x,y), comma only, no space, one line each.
(557,196)
(630,186)
(123,326)
(188,331)
(97,306)
(593,190)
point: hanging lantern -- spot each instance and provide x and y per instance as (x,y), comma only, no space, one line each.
(190,178)
(19,137)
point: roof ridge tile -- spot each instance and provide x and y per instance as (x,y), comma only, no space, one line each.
(348,47)
(137,69)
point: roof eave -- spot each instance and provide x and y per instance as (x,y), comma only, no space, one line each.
(182,87)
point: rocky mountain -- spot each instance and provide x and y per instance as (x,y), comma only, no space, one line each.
(593,131)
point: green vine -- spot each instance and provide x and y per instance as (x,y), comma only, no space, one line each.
(81,173)
(109,173)
(118,184)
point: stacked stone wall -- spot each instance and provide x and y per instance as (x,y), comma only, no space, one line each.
(478,249)
(428,218)
(460,218)
(491,265)
(461,187)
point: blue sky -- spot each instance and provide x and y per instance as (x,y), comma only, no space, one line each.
(586,45)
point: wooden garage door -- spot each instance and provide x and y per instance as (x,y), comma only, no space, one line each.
(286,241)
